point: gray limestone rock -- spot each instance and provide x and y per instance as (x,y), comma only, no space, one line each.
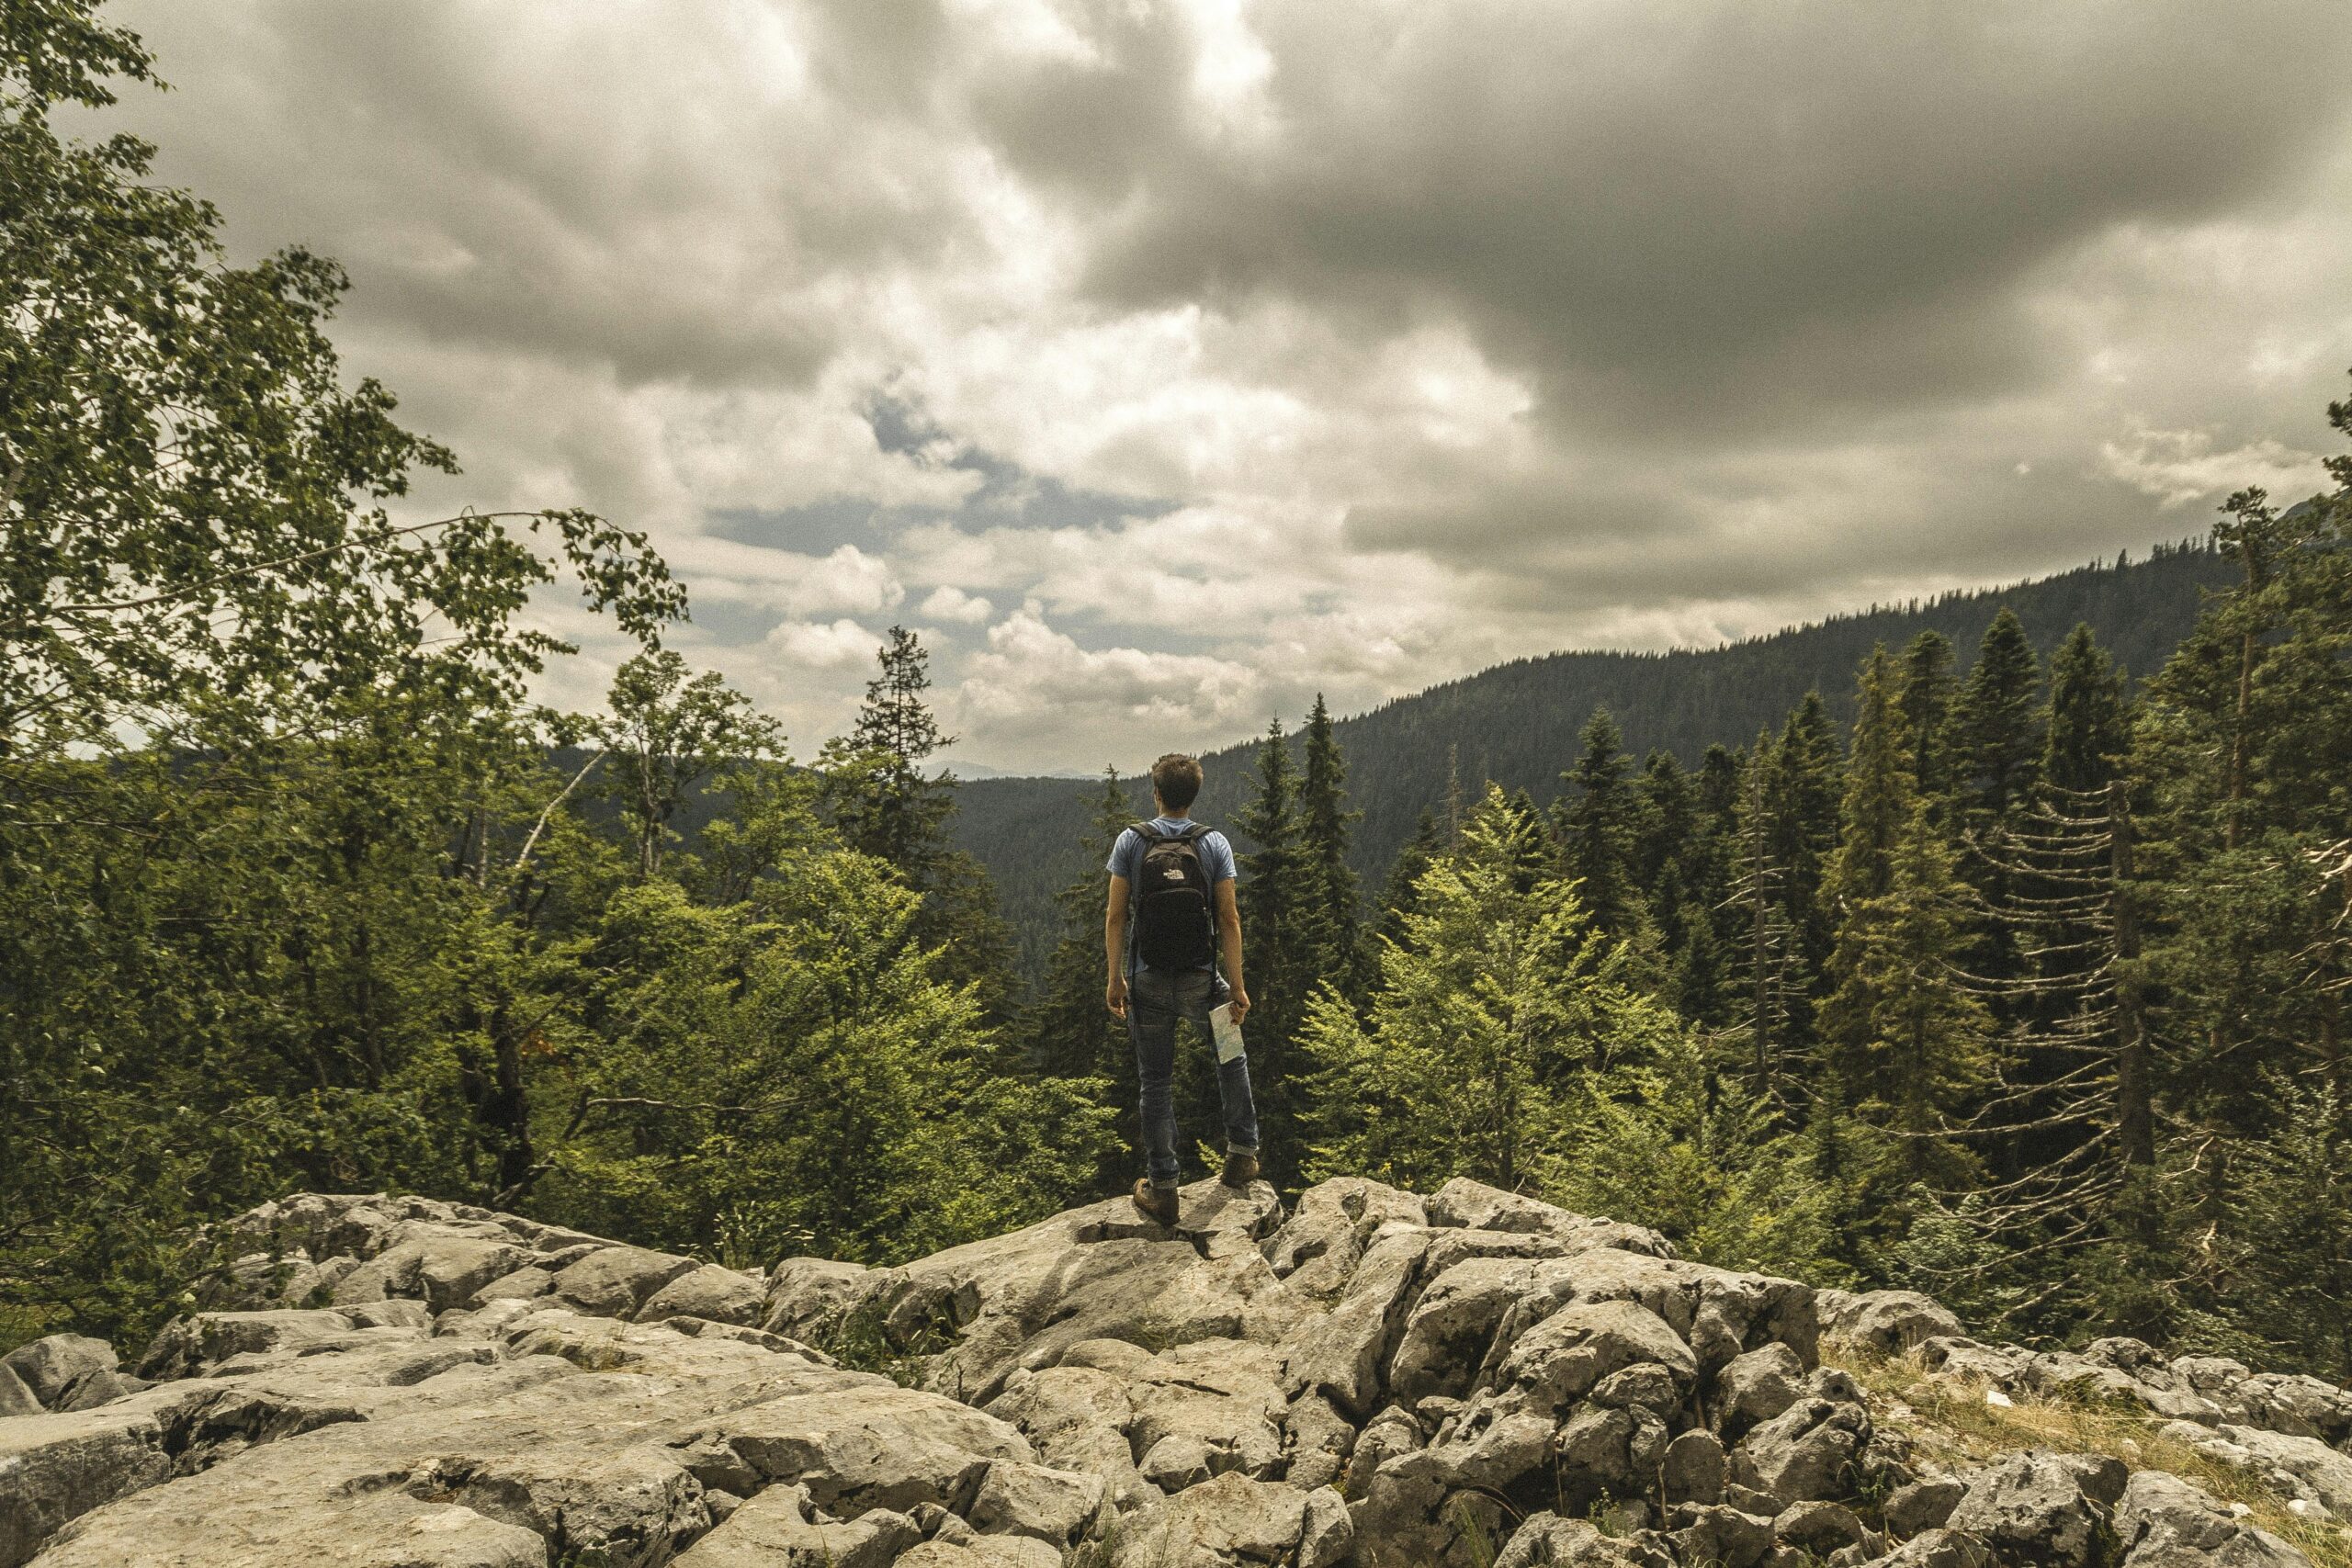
(1547,1541)
(1891,1322)
(53,1369)
(774,1530)
(1341,1353)
(711,1293)
(1229,1521)
(186,1346)
(1018,1498)
(1754,1387)
(1819,1526)
(616,1281)
(1922,1506)
(2033,1507)
(1808,1451)
(1316,1250)
(1694,1469)
(2163,1522)
(1472,1205)
(1317,1440)
(16,1399)
(1570,1353)
(1713,1533)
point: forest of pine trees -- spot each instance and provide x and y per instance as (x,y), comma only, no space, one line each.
(2025,988)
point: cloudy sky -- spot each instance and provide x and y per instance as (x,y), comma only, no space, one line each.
(1166,361)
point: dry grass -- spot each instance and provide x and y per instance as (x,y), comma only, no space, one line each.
(1948,1420)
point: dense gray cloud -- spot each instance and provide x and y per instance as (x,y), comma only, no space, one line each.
(1168,361)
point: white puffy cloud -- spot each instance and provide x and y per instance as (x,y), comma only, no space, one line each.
(2178,467)
(949,602)
(1257,349)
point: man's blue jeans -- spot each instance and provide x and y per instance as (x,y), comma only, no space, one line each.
(1156,999)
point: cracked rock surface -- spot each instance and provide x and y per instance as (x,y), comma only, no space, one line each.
(1375,1378)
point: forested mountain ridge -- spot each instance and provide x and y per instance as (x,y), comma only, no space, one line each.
(1516,724)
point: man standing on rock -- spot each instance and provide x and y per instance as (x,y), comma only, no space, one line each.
(1172,916)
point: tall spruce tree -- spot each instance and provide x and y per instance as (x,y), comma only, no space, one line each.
(1595,829)
(1924,690)
(1872,818)
(1803,785)
(2085,729)
(1997,732)
(882,795)
(1399,894)
(1329,902)
(1072,1032)
(1278,936)
(885,801)
(1772,1006)
(1996,744)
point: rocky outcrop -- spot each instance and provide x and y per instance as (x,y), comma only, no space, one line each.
(1469,1379)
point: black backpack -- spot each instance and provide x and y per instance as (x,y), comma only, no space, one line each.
(1170,898)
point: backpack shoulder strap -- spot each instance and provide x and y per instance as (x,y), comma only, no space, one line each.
(1145,831)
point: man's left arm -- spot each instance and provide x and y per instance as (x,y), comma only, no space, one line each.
(1228,940)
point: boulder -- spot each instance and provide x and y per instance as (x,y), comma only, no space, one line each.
(1891,1322)
(1922,1506)
(187,1347)
(1716,1534)
(527,1283)
(16,1399)
(54,1469)
(1391,1432)
(2163,1522)
(1693,1470)
(1408,1515)
(1472,1205)
(1232,1520)
(1754,1387)
(961,1550)
(1819,1526)
(1317,1440)
(1940,1549)
(1077,1418)
(1964,1359)
(811,1298)
(1223,1395)
(1314,1251)
(1807,1452)
(2297,1405)
(1547,1541)
(775,1529)
(1052,1505)
(615,1281)
(1570,1353)
(62,1370)
(710,1292)
(1341,1353)
(2033,1507)
(886,1447)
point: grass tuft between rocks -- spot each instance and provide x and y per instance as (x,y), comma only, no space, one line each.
(1948,1420)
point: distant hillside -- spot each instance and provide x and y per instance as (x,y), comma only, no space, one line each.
(1517,723)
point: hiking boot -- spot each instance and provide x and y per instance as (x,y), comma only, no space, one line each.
(1240,1170)
(1158,1202)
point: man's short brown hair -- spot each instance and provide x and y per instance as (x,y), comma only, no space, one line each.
(1176,779)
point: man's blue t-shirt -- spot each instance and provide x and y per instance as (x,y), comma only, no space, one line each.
(1215,850)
